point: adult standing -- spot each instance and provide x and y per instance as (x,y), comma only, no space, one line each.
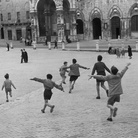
(129,51)
(74,73)
(25,56)
(22,55)
(8,46)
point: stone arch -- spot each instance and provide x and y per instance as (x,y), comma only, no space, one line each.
(26,6)
(115,15)
(46,11)
(96,23)
(133,20)
(96,13)
(115,11)
(133,10)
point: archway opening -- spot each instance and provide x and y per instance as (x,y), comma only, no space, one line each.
(96,23)
(115,27)
(79,26)
(46,11)
(2,33)
(134,26)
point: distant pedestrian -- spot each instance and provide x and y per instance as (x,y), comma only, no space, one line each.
(25,56)
(56,46)
(48,86)
(7,85)
(100,68)
(115,88)
(8,46)
(118,52)
(46,41)
(63,70)
(74,73)
(129,52)
(22,55)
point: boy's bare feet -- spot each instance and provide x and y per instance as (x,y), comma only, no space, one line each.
(115,112)
(52,108)
(109,119)
(42,111)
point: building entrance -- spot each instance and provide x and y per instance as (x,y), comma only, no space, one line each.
(79,26)
(96,23)
(115,27)
(2,33)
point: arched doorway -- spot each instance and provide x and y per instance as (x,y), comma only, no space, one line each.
(79,26)
(134,25)
(46,11)
(115,27)
(96,23)
(2,33)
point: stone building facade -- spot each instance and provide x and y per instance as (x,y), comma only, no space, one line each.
(68,19)
(109,19)
(14,19)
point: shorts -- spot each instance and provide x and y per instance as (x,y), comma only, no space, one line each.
(47,94)
(100,80)
(73,78)
(8,90)
(113,99)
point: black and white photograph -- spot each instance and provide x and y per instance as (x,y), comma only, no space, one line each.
(68,68)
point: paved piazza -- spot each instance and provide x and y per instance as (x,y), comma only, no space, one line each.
(76,115)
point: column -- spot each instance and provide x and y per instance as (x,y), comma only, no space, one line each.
(73,24)
(47,24)
(34,27)
(60,25)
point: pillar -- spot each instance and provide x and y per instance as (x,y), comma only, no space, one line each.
(34,27)
(60,25)
(73,24)
(47,24)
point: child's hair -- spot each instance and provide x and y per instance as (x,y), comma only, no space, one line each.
(99,58)
(49,76)
(74,60)
(6,76)
(65,62)
(114,70)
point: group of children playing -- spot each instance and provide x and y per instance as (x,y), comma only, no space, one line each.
(113,79)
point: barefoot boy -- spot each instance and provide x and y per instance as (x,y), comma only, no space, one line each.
(7,84)
(115,88)
(48,86)
(63,70)
(100,68)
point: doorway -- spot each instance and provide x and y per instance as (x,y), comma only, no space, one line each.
(115,27)
(96,23)
(2,33)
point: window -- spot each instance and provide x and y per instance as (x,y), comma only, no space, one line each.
(27,15)
(9,16)
(1,16)
(18,16)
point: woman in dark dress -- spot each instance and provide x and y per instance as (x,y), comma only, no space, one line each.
(129,52)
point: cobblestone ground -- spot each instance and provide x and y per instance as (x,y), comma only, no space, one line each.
(76,115)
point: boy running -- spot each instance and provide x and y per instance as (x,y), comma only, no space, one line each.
(63,70)
(7,85)
(100,67)
(115,88)
(48,86)
(74,73)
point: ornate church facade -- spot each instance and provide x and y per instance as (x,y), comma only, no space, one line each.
(71,19)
